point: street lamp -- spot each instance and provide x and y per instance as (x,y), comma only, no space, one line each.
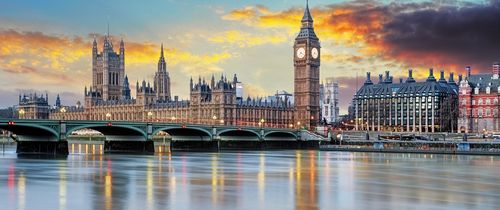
(222,122)
(173,119)
(108,116)
(261,123)
(63,111)
(150,114)
(21,113)
(214,118)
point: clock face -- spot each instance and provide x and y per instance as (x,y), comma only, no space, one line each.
(301,52)
(314,53)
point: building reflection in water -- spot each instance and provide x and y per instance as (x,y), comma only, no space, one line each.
(261,177)
(306,192)
(62,186)
(149,185)
(95,149)
(21,192)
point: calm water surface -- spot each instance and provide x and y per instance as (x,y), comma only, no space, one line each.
(249,180)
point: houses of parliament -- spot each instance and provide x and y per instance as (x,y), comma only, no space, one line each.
(213,101)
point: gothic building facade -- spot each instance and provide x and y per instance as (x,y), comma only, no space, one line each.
(33,106)
(329,101)
(216,102)
(306,73)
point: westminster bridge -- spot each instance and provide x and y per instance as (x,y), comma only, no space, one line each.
(50,136)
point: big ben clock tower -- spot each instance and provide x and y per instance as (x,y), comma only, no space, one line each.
(306,75)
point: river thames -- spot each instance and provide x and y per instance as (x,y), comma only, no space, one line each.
(87,179)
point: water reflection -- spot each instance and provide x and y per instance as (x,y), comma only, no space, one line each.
(89,179)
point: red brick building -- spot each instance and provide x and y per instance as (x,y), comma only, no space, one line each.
(478,102)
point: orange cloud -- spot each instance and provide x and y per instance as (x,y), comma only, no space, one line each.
(253,90)
(243,39)
(58,59)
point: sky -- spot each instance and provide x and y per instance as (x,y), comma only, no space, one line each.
(46,46)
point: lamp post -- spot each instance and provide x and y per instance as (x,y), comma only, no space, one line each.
(261,123)
(173,119)
(150,115)
(108,116)
(63,111)
(214,118)
(222,122)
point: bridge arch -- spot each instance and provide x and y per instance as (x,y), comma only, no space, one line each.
(239,135)
(185,133)
(32,132)
(114,132)
(280,135)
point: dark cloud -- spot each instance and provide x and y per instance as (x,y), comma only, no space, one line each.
(449,35)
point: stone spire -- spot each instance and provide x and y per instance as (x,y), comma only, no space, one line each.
(58,101)
(162,64)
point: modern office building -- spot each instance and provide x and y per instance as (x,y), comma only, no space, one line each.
(409,106)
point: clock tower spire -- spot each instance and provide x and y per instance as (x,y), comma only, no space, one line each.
(306,73)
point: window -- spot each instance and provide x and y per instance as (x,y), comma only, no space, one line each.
(487,112)
(473,102)
(480,102)
(488,101)
(476,90)
(464,102)
(480,112)
(488,90)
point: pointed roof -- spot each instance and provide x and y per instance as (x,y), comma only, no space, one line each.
(307,15)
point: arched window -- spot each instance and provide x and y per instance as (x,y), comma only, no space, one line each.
(480,102)
(476,90)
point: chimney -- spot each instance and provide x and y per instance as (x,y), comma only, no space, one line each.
(387,75)
(431,76)
(368,79)
(410,76)
(450,80)
(468,69)
(400,80)
(380,78)
(459,77)
(441,78)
